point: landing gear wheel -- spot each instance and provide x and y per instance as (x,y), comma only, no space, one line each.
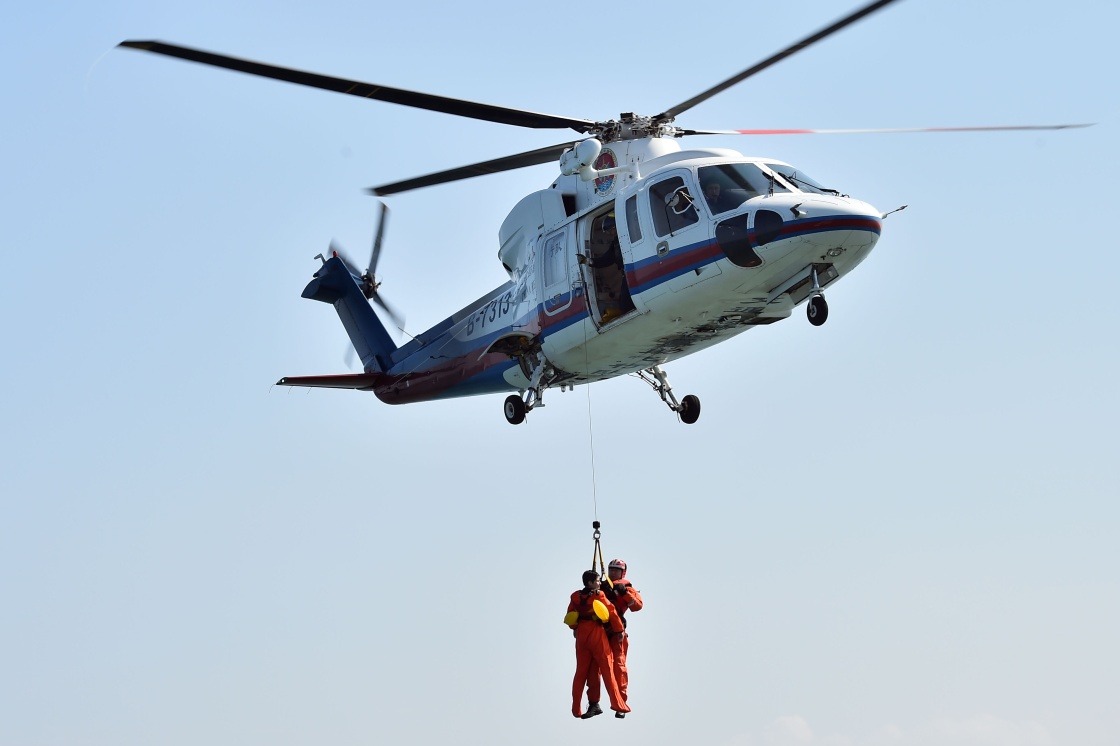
(514,409)
(817,310)
(690,409)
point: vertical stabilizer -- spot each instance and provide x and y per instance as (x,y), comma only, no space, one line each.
(334,284)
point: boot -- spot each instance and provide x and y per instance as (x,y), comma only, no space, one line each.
(620,715)
(593,709)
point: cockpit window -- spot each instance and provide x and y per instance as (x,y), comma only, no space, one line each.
(731,184)
(799,179)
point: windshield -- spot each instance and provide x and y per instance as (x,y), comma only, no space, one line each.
(799,179)
(729,185)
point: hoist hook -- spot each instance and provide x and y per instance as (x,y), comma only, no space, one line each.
(597,562)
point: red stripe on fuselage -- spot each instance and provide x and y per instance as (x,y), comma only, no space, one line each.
(674,264)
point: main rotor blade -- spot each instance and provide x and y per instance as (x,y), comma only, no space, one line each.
(889,129)
(458,107)
(851,18)
(508,163)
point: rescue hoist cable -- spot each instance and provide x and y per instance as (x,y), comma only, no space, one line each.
(591,438)
(597,563)
(590,424)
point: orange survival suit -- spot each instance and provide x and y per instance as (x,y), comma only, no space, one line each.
(593,650)
(623,596)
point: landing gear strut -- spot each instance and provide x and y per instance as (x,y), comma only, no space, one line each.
(688,408)
(516,407)
(817,310)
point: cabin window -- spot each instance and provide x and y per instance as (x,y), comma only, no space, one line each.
(729,185)
(734,240)
(767,226)
(633,227)
(554,266)
(672,206)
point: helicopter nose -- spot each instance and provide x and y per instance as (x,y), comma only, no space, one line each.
(829,228)
(832,227)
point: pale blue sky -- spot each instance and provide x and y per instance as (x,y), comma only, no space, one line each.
(898,528)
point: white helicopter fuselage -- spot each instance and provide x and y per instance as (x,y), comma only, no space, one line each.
(685,292)
(618,268)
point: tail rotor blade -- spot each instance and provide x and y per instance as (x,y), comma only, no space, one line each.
(376,253)
(393,314)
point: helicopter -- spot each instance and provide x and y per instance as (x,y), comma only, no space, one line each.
(639,253)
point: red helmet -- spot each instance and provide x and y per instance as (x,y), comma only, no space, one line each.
(617,564)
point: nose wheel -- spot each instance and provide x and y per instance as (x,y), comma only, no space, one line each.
(817,310)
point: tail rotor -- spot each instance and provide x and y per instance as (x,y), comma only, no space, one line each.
(367,279)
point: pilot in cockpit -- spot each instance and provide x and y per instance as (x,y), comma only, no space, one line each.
(716,203)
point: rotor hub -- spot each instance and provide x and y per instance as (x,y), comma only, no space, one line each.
(631,126)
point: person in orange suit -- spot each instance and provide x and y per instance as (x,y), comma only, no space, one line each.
(625,597)
(592,618)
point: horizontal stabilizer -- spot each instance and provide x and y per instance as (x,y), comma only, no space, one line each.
(360,381)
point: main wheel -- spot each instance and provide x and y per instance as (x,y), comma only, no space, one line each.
(690,409)
(817,310)
(514,409)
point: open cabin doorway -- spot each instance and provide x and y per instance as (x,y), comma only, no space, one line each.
(608,296)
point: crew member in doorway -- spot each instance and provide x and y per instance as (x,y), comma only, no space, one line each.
(593,619)
(610,283)
(625,597)
(612,257)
